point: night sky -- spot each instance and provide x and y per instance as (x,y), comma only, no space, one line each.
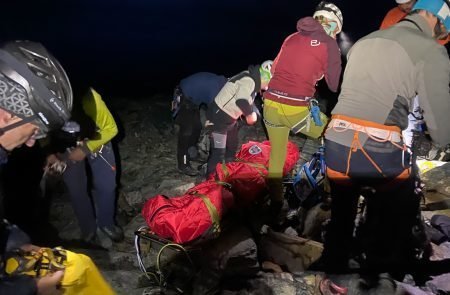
(141,47)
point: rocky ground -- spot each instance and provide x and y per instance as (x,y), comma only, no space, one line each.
(147,145)
(147,151)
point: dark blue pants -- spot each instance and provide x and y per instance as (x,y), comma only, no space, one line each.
(100,210)
(188,119)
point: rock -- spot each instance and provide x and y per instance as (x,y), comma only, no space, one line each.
(315,218)
(134,198)
(270,266)
(174,187)
(295,254)
(134,225)
(232,257)
(438,180)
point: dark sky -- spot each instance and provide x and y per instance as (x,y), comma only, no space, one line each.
(139,47)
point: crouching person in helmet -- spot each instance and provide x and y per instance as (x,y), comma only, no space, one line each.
(85,141)
(35,98)
(234,100)
(364,147)
(305,57)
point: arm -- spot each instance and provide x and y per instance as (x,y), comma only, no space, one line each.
(96,108)
(333,65)
(434,96)
(245,99)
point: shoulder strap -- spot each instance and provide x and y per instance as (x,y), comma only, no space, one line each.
(239,76)
(413,22)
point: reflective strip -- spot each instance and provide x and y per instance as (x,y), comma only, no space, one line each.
(378,133)
(271,124)
(305,98)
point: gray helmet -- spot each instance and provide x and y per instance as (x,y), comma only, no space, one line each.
(34,86)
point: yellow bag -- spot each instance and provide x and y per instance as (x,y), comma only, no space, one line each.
(81,276)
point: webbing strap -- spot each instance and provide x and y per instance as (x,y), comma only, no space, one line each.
(212,212)
(258,166)
(272,124)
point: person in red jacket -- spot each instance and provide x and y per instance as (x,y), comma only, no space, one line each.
(306,57)
(399,12)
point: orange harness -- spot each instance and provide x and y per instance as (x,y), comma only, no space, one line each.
(375,131)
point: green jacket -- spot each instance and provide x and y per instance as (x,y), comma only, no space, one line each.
(96,109)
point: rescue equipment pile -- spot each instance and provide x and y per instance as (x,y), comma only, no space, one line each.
(197,213)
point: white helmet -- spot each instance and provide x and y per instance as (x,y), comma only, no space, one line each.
(330,11)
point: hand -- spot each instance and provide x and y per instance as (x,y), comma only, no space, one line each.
(77,155)
(54,165)
(251,119)
(51,159)
(49,285)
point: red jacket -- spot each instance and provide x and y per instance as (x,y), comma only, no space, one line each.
(392,17)
(305,57)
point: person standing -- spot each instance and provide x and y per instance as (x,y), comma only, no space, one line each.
(364,148)
(397,13)
(304,58)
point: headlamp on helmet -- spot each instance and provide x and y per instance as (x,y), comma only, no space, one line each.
(265,70)
(330,12)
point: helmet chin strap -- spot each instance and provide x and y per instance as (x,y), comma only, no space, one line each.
(16,124)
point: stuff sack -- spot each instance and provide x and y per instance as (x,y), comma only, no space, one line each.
(247,174)
(194,215)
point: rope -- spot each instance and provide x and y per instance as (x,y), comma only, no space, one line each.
(157,276)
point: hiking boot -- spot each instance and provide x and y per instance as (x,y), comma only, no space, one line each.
(89,238)
(114,232)
(188,170)
(102,240)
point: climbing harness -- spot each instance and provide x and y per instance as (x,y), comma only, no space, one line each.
(377,132)
(314,115)
(35,263)
(315,111)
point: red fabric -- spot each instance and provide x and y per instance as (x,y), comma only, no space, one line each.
(247,175)
(185,218)
(392,17)
(395,15)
